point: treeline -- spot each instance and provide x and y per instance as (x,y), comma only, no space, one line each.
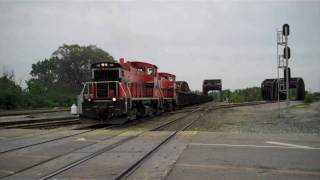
(238,95)
(311,97)
(12,96)
(55,81)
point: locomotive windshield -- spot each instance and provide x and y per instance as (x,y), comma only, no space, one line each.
(106,75)
(149,71)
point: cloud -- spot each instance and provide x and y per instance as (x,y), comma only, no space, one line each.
(233,41)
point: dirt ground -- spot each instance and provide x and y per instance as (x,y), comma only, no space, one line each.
(299,118)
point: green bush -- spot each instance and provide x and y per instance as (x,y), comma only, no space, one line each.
(308,98)
(11,94)
(239,95)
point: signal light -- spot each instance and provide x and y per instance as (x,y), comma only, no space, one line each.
(285,73)
(285,30)
(286,52)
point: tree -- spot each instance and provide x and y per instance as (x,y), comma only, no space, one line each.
(11,94)
(68,67)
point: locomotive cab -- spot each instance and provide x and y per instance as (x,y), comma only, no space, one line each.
(150,76)
(102,97)
(105,80)
(168,89)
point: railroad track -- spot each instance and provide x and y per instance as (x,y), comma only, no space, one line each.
(15,113)
(40,123)
(232,105)
(92,127)
(81,133)
(114,145)
(55,157)
(131,169)
(137,164)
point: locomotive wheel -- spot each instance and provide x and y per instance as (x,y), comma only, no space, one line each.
(173,106)
(133,114)
(169,107)
(156,109)
(148,111)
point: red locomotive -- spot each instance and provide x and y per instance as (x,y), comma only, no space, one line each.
(126,89)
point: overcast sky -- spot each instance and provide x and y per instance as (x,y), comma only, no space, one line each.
(234,41)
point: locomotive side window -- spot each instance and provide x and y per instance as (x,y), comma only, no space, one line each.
(106,75)
(149,71)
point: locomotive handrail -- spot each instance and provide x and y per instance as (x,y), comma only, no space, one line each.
(100,82)
(129,89)
(126,98)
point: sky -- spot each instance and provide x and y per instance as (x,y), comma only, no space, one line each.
(230,40)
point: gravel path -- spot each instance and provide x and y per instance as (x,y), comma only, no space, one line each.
(299,118)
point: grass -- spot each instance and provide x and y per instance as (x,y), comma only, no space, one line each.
(302,105)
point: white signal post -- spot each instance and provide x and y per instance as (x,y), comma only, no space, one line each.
(287,72)
(283,63)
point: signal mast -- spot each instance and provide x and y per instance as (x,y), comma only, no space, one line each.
(283,63)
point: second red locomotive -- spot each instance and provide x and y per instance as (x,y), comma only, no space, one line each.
(126,89)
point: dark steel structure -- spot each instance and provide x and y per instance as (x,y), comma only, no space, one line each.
(182,86)
(211,85)
(185,97)
(269,89)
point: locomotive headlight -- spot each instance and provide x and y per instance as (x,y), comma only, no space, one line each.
(114,99)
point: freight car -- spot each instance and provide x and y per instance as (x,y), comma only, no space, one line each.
(269,89)
(185,97)
(126,90)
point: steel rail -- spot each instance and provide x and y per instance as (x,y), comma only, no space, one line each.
(114,145)
(5,124)
(55,139)
(136,165)
(35,111)
(60,155)
(43,142)
(44,124)
(107,148)
(126,173)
